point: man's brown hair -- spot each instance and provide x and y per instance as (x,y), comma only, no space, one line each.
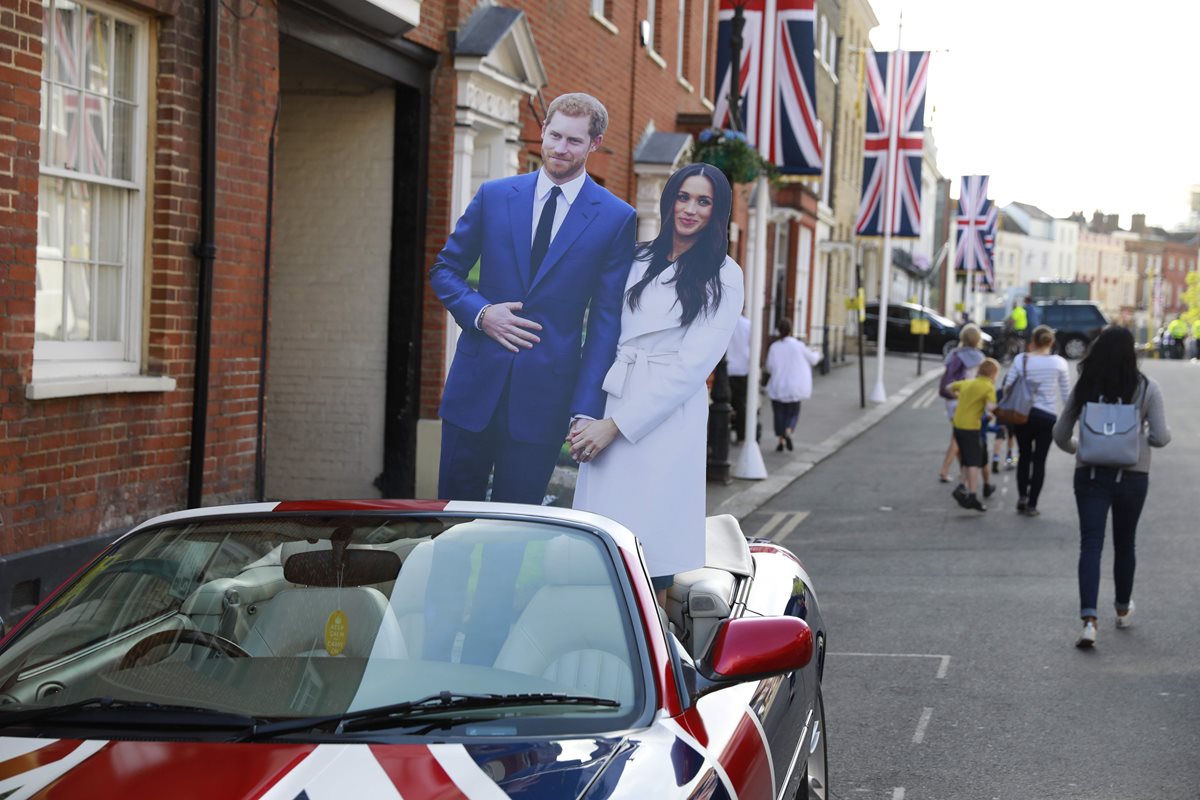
(578,104)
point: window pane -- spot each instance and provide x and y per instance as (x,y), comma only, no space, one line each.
(79,222)
(95,46)
(48,303)
(124,54)
(60,146)
(108,304)
(79,302)
(47,45)
(66,42)
(52,215)
(122,140)
(112,228)
(94,159)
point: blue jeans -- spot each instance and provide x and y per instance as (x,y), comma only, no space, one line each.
(1096,491)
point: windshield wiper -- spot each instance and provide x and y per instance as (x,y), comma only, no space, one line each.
(116,711)
(400,713)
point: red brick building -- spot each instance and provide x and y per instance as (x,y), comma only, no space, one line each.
(212,270)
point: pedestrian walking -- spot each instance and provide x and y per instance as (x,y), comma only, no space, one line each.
(1178,330)
(1109,374)
(737,366)
(1042,368)
(961,364)
(976,397)
(789,366)
(1196,338)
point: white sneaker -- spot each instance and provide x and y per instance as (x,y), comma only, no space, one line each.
(1126,621)
(1088,637)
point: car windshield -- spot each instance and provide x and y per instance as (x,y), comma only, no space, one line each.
(287,616)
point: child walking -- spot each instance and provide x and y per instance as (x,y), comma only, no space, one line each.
(976,398)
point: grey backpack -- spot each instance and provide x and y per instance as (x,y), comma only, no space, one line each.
(1110,434)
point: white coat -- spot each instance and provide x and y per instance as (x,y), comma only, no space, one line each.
(790,363)
(651,479)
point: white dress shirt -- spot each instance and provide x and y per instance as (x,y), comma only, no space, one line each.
(570,191)
(737,358)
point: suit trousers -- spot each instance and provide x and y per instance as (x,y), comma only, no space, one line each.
(521,470)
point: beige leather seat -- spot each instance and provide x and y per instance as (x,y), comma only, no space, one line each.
(572,632)
(293,623)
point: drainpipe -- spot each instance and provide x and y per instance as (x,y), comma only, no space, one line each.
(206,251)
(260,463)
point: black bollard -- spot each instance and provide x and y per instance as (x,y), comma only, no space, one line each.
(719,469)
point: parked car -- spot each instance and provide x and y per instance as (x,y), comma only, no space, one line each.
(942,336)
(1075,322)
(386,648)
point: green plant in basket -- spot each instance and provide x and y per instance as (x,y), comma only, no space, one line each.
(730,152)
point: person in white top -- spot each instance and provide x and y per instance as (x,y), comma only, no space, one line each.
(1048,372)
(643,464)
(737,363)
(789,364)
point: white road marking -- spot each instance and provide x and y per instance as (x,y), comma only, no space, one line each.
(789,520)
(898,793)
(941,673)
(796,518)
(919,736)
(925,399)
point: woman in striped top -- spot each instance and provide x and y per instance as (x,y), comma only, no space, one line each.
(1048,372)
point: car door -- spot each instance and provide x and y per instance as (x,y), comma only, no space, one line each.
(900,335)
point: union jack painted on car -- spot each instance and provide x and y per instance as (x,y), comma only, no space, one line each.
(904,112)
(794,143)
(728,723)
(973,256)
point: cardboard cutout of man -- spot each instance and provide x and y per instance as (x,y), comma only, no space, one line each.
(550,245)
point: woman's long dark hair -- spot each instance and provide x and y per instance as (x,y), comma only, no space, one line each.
(1109,370)
(698,277)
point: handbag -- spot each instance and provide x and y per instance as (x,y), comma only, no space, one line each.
(1014,407)
(1110,433)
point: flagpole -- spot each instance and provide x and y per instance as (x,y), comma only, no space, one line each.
(878,393)
(750,464)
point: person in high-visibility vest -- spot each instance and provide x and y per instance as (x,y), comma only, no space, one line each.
(1178,330)
(1196,336)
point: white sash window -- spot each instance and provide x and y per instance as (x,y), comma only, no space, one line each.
(91,202)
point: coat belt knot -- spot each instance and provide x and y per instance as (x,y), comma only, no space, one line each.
(629,359)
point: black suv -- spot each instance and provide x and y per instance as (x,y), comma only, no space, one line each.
(1075,322)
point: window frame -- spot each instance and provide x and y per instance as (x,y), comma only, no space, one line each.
(57,360)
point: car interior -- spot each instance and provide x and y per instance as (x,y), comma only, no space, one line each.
(476,605)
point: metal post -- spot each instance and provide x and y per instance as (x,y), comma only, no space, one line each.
(858,293)
(921,335)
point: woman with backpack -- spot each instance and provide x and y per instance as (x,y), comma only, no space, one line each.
(1121,417)
(1046,373)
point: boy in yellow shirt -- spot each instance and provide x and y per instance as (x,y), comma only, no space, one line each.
(975,397)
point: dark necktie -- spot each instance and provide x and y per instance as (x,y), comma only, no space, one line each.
(541,239)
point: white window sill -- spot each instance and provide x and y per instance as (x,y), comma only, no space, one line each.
(656,58)
(606,23)
(110,384)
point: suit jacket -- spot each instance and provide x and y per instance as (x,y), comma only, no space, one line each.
(587,263)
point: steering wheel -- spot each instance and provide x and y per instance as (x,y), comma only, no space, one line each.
(212,641)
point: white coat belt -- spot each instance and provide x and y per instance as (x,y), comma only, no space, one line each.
(628,360)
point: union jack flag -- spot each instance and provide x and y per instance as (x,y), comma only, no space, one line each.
(972,255)
(908,110)
(84,113)
(794,143)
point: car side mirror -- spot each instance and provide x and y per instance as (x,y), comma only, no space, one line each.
(753,648)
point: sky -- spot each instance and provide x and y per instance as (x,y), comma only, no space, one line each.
(1069,105)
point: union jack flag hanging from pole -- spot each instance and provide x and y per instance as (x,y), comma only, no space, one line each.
(908,110)
(794,144)
(972,255)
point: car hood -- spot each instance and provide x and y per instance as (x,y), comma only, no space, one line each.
(51,768)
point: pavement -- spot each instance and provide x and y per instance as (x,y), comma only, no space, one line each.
(831,419)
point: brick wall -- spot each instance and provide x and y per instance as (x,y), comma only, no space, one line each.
(74,467)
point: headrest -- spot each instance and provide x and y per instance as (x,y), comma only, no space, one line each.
(726,547)
(574,561)
(358,568)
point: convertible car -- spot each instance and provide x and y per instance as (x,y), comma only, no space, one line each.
(388,649)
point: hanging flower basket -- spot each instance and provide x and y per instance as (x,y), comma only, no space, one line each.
(730,152)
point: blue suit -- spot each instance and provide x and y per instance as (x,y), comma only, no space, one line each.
(512,410)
